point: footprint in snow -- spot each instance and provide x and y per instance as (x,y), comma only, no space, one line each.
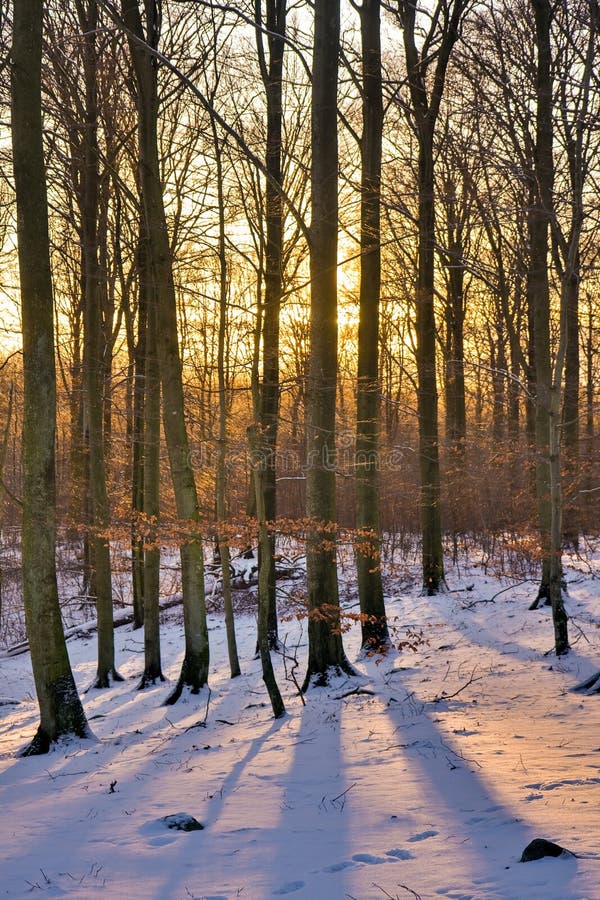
(422,836)
(369,859)
(455,894)
(289,887)
(339,867)
(397,853)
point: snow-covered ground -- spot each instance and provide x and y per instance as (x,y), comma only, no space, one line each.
(428,782)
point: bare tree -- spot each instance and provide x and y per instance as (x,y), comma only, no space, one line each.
(61,711)
(428,48)
(325,649)
(578,111)
(150,469)
(370,586)
(271,68)
(92,278)
(142,43)
(548,378)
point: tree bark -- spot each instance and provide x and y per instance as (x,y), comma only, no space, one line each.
(221,474)
(576,115)
(456,412)
(548,388)
(264,651)
(137,434)
(272,75)
(61,711)
(150,477)
(425,106)
(3,452)
(194,671)
(325,648)
(368,557)
(93,354)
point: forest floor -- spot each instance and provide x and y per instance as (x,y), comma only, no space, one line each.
(426,782)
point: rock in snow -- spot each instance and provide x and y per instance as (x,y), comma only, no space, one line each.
(182,822)
(540,847)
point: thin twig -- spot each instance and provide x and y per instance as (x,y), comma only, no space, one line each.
(356,690)
(343,794)
(473,603)
(445,696)
(202,722)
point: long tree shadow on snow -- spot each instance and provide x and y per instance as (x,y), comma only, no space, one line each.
(478,833)
(312,837)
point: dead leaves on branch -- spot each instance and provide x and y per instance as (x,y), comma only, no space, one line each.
(151,533)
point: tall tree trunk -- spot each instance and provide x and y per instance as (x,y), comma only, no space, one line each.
(137,433)
(3,453)
(61,711)
(426,96)
(548,388)
(221,475)
(590,433)
(575,118)
(325,649)
(77,451)
(368,558)
(514,389)
(538,281)
(429,465)
(570,411)
(151,493)
(257,451)
(456,412)
(79,461)
(194,671)
(93,353)
(272,74)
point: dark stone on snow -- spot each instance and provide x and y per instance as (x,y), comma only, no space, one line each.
(182,822)
(540,848)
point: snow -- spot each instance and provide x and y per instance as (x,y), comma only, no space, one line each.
(428,781)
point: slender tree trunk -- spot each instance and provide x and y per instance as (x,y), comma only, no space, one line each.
(548,387)
(368,558)
(426,96)
(576,128)
(137,435)
(275,697)
(514,389)
(3,452)
(194,671)
(61,711)
(590,433)
(77,453)
(429,465)
(272,73)
(538,283)
(79,470)
(221,475)
(570,411)
(531,371)
(498,365)
(151,496)
(456,413)
(325,649)
(93,356)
